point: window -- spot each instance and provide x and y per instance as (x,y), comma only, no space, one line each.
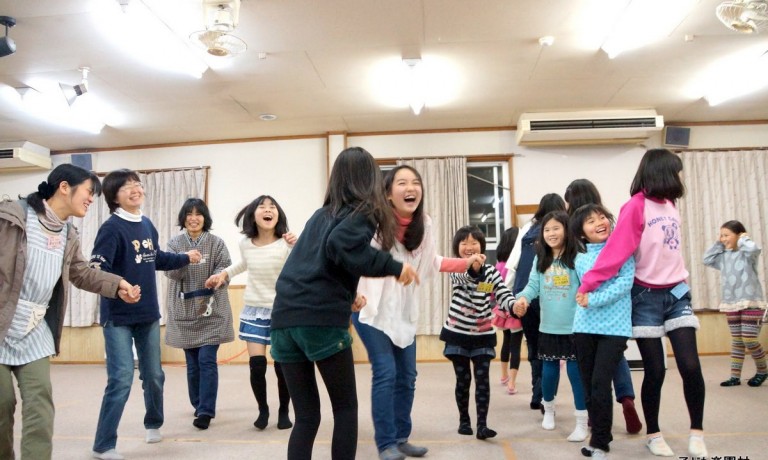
(489,201)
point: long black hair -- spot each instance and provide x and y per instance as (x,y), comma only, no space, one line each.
(544,251)
(581,192)
(414,233)
(506,244)
(250,229)
(71,174)
(658,175)
(548,203)
(356,183)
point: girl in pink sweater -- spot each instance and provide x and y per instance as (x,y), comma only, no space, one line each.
(649,228)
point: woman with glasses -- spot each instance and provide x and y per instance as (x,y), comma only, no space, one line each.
(127,245)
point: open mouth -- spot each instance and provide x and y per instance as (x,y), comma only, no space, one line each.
(267,218)
(409,199)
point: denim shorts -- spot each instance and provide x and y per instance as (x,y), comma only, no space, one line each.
(658,311)
(308,343)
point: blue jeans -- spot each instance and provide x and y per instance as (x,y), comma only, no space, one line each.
(393,386)
(118,342)
(622,381)
(550,379)
(202,378)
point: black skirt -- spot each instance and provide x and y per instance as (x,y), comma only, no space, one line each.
(554,347)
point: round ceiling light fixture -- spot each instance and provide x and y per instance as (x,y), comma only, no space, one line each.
(267,117)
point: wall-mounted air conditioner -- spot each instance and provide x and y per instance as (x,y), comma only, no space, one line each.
(24,156)
(588,127)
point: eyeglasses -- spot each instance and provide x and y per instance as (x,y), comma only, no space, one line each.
(130,187)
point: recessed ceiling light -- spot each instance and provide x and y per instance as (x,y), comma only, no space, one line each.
(267,117)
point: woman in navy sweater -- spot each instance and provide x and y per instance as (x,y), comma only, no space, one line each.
(127,245)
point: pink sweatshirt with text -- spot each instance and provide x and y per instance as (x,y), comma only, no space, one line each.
(650,230)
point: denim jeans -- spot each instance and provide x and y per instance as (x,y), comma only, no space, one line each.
(202,378)
(393,386)
(622,380)
(118,342)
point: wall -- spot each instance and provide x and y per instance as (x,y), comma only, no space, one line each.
(294,171)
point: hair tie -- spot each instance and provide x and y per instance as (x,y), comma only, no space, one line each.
(45,190)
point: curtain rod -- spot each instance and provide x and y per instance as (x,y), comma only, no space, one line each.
(149,171)
(721,149)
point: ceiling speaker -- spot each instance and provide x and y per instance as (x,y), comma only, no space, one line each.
(676,136)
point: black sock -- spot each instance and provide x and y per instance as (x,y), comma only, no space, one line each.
(258,365)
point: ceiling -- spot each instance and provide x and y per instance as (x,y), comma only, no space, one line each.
(317,73)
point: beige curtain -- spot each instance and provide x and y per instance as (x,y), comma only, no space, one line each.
(445,200)
(165,192)
(721,186)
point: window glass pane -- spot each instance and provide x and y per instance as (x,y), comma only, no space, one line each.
(487,193)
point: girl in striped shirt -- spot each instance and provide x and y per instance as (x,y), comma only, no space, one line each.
(469,336)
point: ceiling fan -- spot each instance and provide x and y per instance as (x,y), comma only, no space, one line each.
(221,17)
(745,16)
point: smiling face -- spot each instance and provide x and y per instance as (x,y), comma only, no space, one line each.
(194,223)
(468,247)
(80,198)
(554,234)
(597,228)
(729,239)
(266,216)
(131,196)
(406,193)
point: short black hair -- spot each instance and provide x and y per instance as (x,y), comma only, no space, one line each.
(463,233)
(580,215)
(658,175)
(250,229)
(735,226)
(195,204)
(506,244)
(112,184)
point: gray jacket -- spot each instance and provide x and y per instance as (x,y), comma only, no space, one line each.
(13,259)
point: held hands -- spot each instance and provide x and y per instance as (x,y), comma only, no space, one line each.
(475,261)
(582,299)
(520,307)
(408,275)
(128,293)
(360,302)
(194,256)
(215,281)
(290,238)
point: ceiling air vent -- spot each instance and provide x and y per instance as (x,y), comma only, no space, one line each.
(587,127)
(24,156)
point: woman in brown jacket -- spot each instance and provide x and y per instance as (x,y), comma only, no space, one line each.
(40,257)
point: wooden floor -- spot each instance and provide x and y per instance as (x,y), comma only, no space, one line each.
(736,419)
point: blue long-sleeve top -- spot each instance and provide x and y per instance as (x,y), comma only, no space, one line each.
(609,307)
(556,290)
(131,250)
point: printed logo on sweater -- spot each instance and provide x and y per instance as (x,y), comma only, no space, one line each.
(144,256)
(671,235)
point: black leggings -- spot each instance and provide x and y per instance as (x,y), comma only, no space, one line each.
(338,374)
(510,348)
(683,342)
(463,371)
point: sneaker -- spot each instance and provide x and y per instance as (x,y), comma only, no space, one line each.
(757,380)
(659,447)
(409,450)
(731,382)
(111,454)
(391,453)
(696,446)
(153,436)
(630,415)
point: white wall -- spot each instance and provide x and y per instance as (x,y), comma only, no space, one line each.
(295,172)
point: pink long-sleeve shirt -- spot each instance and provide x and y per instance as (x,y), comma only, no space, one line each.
(648,229)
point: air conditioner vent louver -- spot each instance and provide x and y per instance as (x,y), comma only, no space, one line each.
(618,123)
(587,127)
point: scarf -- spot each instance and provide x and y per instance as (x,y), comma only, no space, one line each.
(50,220)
